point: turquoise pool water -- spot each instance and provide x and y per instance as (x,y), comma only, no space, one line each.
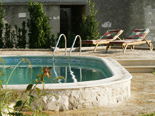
(73,70)
(22,75)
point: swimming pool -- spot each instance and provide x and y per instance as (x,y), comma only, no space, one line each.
(81,94)
(73,70)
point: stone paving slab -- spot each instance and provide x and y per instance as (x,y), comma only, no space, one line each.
(113,53)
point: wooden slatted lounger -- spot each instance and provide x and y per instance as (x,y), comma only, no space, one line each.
(137,37)
(110,35)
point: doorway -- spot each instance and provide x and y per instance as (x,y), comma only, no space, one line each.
(71,17)
(70,20)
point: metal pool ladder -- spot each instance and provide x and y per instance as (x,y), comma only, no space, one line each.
(65,54)
(58,43)
(74,43)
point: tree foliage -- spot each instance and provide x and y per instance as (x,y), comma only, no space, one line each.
(38,24)
(1,23)
(21,35)
(8,37)
(89,25)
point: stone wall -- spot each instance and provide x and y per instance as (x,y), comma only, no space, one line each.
(126,15)
(88,97)
(54,15)
(118,14)
(15,15)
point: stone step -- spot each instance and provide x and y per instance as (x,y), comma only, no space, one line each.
(136,62)
(140,69)
(138,66)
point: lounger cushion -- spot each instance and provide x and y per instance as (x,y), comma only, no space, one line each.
(110,34)
(138,34)
(135,36)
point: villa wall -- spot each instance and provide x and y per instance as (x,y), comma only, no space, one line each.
(15,15)
(126,15)
(120,14)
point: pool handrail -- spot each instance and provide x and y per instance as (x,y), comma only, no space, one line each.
(74,43)
(58,43)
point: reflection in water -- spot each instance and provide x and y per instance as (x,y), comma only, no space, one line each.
(80,74)
(65,74)
(54,70)
(56,75)
(22,74)
(72,74)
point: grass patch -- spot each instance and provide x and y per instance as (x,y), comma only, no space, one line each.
(152,114)
(153,72)
(35,114)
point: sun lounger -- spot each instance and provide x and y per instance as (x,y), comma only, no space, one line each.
(110,35)
(137,37)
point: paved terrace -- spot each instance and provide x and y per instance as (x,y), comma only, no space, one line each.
(142,86)
(87,51)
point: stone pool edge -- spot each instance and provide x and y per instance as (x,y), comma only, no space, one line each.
(81,95)
(120,74)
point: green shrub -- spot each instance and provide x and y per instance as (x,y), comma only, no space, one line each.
(21,35)
(70,39)
(1,24)
(152,114)
(153,72)
(38,24)
(89,25)
(8,36)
